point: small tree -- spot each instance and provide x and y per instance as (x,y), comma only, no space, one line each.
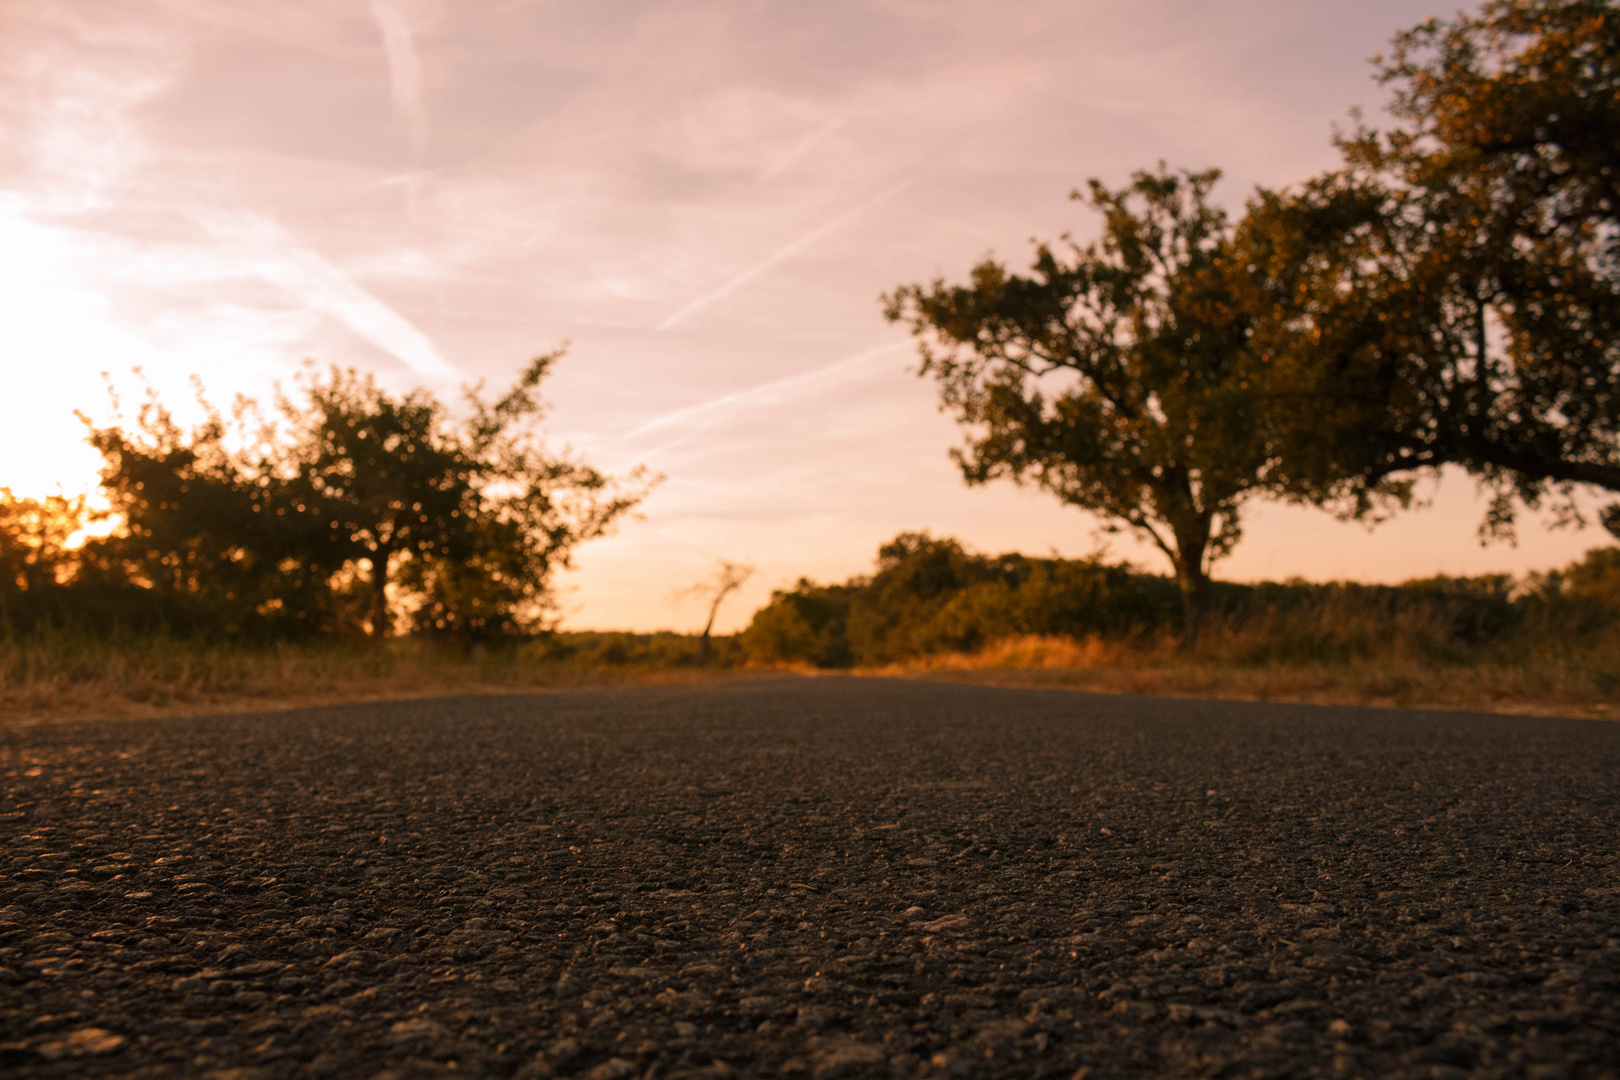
(727,579)
(1116,376)
(387,475)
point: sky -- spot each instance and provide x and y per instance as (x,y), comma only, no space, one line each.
(704,199)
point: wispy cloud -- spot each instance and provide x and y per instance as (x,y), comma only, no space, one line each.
(262,247)
(737,281)
(785,391)
(404,71)
(594,170)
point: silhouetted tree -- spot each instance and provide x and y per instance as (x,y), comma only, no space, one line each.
(1116,376)
(387,475)
(264,520)
(39,568)
(1451,295)
(210,526)
(531,508)
(34,536)
(727,579)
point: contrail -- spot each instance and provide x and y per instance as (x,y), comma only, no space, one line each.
(803,242)
(778,390)
(262,247)
(404,71)
(803,148)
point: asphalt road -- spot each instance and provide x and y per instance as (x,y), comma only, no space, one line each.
(812,878)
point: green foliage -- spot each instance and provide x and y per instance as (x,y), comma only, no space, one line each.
(46,581)
(806,624)
(1451,295)
(931,596)
(1117,376)
(597,650)
(1595,578)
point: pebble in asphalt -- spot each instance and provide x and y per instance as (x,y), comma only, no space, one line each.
(811,878)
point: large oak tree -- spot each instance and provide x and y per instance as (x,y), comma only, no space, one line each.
(1116,375)
(1451,294)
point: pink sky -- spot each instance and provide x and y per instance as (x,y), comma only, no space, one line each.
(706,198)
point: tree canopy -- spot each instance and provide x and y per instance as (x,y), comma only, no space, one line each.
(349,502)
(1451,294)
(1116,375)
(35,539)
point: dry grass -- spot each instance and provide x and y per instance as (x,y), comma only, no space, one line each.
(68,679)
(1541,688)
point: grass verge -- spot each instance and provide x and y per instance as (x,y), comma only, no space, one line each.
(63,676)
(1540,686)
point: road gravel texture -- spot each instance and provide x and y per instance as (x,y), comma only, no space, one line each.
(811,878)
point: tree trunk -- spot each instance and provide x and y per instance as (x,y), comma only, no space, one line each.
(1194,602)
(379,595)
(1194,583)
(703,642)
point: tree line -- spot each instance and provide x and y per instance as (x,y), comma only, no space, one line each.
(1448,296)
(928,596)
(341,506)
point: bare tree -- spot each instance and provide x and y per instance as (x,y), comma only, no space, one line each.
(726,580)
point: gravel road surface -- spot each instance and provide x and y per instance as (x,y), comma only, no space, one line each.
(811,878)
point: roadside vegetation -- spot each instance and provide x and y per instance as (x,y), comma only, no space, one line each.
(1543,643)
(345,511)
(52,673)
(344,543)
